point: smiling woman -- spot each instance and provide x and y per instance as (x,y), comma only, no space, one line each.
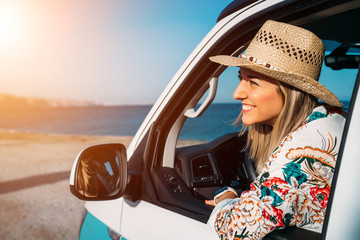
(279,91)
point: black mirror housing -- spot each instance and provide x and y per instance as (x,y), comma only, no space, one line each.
(100,172)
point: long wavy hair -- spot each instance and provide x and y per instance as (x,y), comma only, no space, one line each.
(262,139)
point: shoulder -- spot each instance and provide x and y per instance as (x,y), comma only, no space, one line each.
(319,137)
(320,125)
(324,117)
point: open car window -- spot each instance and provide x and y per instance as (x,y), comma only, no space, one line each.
(209,152)
(217,121)
(218,118)
(339,81)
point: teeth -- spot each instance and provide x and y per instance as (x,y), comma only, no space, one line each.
(247,107)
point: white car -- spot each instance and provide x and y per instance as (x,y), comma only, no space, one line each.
(156,188)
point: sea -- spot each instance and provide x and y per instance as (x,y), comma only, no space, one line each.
(119,121)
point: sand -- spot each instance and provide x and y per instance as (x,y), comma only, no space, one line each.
(35,201)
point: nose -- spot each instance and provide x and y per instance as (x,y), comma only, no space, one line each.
(240,92)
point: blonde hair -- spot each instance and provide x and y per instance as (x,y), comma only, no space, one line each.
(263,139)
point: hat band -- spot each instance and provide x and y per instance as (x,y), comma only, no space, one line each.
(260,62)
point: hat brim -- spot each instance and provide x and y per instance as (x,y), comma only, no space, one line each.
(303,83)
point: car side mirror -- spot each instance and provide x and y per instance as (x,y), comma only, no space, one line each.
(100,172)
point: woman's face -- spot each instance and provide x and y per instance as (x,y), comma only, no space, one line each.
(261,97)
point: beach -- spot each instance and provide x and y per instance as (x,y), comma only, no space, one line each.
(34,192)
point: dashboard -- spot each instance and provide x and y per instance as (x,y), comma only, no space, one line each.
(200,170)
(207,167)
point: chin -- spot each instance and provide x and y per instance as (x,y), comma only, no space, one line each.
(252,122)
(247,122)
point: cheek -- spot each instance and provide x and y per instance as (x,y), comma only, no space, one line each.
(277,103)
(272,102)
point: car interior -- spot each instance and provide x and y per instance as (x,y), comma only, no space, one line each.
(182,177)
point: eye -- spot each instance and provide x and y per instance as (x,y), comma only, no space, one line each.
(253,83)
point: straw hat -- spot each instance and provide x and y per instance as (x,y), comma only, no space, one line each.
(290,54)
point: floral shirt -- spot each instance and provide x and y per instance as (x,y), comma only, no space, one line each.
(294,186)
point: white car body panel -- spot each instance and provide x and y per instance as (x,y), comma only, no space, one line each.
(109,211)
(344,220)
(145,220)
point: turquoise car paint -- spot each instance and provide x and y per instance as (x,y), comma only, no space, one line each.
(93,229)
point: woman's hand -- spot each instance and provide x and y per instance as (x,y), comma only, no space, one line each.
(228,195)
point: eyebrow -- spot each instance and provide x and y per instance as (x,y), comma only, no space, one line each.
(252,76)
(249,76)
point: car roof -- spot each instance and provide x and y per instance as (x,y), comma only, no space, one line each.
(233,7)
(337,26)
(330,20)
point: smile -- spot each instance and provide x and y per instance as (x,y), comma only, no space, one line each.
(247,108)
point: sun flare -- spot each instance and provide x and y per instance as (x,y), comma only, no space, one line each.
(13,25)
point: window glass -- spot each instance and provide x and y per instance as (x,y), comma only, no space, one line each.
(218,119)
(340,82)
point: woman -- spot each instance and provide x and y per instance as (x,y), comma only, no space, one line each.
(293,139)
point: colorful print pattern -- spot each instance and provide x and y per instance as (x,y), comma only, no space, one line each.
(293,189)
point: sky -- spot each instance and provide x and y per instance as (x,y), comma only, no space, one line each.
(106,51)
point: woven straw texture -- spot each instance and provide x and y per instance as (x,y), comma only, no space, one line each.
(287,53)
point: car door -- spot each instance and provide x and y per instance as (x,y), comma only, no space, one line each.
(143,219)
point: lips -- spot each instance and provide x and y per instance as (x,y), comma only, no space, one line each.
(247,108)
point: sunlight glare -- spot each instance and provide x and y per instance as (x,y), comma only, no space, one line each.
(13,26)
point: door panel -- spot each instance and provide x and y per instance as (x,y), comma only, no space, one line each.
(145,220)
